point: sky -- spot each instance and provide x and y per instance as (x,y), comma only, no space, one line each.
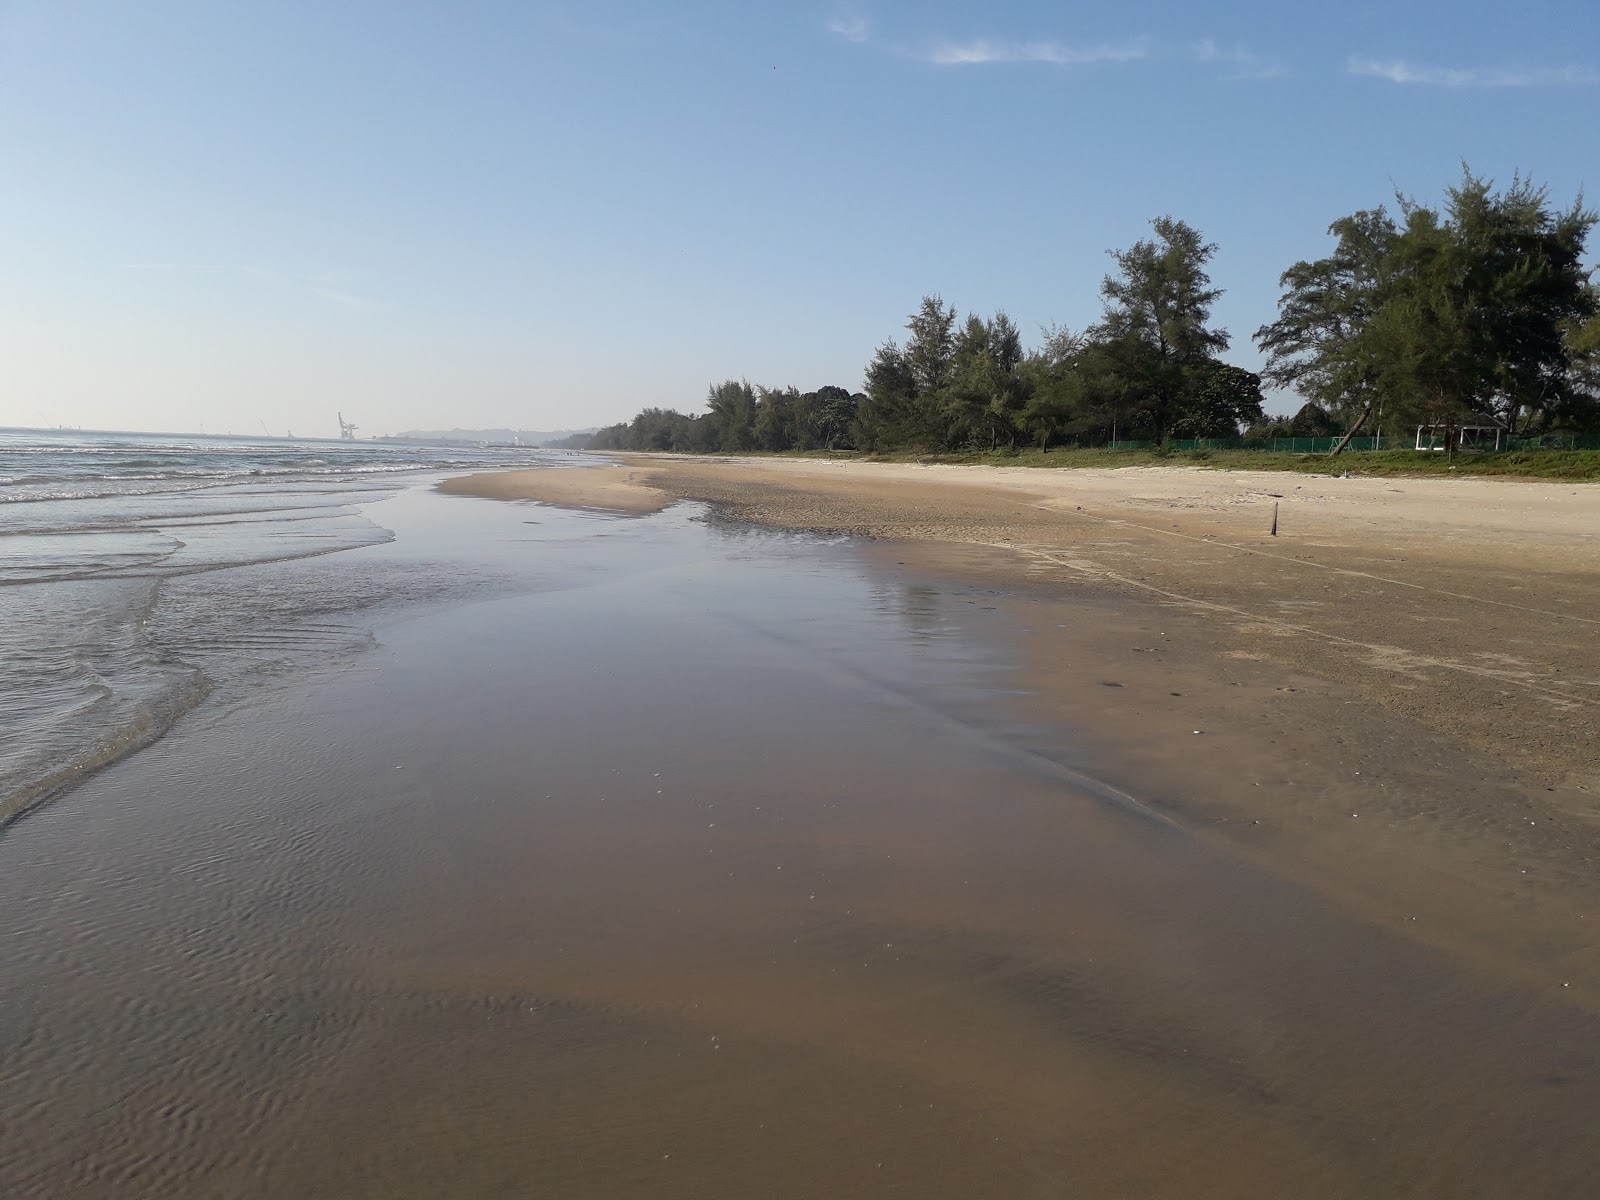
(233,216)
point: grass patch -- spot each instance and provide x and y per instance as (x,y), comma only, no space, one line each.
(1574,465)
(1579,465)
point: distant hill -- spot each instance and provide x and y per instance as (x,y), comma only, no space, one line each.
(524,437)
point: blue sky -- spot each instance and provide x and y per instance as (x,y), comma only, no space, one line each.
(552,214)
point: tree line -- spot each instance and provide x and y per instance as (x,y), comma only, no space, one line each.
(1478,311)
(740,418)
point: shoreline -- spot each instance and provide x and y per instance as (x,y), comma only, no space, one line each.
(1296,698)
(1349,588)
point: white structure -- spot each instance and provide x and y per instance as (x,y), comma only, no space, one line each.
(1476,433)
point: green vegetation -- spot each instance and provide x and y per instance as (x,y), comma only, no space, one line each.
(1479,316)
(1534,464)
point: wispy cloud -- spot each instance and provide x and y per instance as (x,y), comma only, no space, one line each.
(343,299)
(851,26)
(1399,71)
(984,51)
(333,286)
(1243,64)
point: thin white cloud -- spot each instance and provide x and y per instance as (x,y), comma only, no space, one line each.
(852,27)
(344,299)
(1399,71)
(983,51)
(1243,64)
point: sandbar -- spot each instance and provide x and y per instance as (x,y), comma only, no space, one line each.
(600,488)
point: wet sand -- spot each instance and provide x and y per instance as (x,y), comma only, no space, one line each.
(573,488)
(699,861)
(1396,696)
(1467,604)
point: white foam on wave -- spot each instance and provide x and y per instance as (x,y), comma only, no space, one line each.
(100,649)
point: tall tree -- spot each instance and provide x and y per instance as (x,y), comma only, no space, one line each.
(1156,320)
(1582,410)
(1316,345)
(986,393)
(1223,400)
(733,410)
(1056,401)
(1008,387)
(1465,311)
(908,389)
(1519,283)
(776,426)
(831,411)
(888,415)
(1435,367)
(930,348)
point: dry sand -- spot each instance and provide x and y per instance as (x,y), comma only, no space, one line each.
(1397,694)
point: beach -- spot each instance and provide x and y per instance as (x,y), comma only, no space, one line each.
(1464,603)
(1410,667)
(722,829)
(741,602)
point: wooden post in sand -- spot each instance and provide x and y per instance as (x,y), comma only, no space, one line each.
(1274,518)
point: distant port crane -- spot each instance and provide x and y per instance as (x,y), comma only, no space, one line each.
(347,431)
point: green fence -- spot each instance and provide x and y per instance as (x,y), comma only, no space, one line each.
(1556,441)
(1322,445)
(1283,445)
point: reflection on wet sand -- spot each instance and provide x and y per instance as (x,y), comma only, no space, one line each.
(599,891)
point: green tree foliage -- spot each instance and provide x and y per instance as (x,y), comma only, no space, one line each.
(909,390)
(1222,400)
(1479,308)
(741,418)
(931,347)
(888,416)
(1518,280)
(1155,330)
(1311,421)
(1583,347)
(827,416)
(987,391)
(1431,366)
(1149,369)
(1461,313)
(733,411)
(660,429)
(776,419)
(1054,387)
(612,437)
(1316,345)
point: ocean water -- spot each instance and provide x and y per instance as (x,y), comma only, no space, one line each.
(138,570)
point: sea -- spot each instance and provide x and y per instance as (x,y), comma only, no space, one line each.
(137,570)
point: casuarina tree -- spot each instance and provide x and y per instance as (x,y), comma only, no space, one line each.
(1156,320)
